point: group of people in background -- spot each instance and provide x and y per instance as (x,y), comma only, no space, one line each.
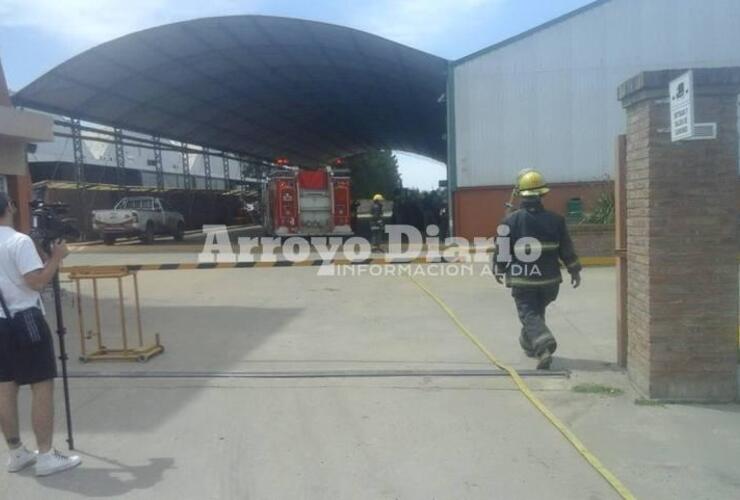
(409,207)
(422,209)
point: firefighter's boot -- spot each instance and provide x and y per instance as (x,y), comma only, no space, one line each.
(544,360)
(526,346)
(544,347)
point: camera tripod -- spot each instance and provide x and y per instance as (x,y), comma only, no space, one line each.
(61,332)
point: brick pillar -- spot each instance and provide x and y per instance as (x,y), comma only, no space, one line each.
(682,241)
(19,189)
(17,129)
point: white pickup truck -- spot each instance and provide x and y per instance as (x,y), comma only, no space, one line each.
(141,216)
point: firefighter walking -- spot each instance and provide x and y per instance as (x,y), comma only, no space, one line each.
(376,222)
(530,244)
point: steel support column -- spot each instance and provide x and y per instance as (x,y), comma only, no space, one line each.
(242,172)
(227,176)
(79,157)
(120,157)
(185,167)
(158,162)
(207,168)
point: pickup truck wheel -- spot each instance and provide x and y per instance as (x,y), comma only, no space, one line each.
(180,232)
(109,239)
(148,237)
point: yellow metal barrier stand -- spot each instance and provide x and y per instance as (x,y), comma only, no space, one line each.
(102,353)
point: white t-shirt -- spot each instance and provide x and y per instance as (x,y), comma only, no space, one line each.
(18,256)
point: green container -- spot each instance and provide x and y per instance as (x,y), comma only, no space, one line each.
(574,210)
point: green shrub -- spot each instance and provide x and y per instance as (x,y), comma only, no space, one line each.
(603,212)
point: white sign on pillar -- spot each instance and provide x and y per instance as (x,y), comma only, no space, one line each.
(681,91)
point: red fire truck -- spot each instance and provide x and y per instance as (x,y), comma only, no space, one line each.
(301,202)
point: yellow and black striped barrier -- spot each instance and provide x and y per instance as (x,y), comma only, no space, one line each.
(258,264)
(190,266)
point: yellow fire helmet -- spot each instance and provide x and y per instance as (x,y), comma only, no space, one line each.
(532,183)
(522,172)
(378,197)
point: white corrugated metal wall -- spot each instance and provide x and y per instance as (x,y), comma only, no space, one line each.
(103,154)
(549,100)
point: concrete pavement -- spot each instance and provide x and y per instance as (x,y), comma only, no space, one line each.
(294,439)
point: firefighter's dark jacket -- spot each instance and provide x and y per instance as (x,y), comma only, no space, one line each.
(532,220)
(376,214)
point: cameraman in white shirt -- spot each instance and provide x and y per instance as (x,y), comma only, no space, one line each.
(27,358)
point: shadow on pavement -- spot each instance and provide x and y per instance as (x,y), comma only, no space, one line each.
(113,481)
(206,337)
(585,365)
(196,338)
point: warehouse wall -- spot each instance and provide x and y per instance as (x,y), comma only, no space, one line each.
(548,100)
(479,210)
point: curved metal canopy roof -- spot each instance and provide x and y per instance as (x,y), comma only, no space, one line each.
(262,86)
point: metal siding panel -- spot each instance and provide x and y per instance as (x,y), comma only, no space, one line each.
(549,100)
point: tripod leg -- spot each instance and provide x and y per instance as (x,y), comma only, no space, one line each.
(63,357)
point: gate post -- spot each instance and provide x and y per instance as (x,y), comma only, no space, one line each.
(682,273)
(620,238)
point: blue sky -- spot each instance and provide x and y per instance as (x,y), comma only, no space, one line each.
(36,35)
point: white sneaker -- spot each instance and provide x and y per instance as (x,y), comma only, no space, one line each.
(20,458)
(53,462)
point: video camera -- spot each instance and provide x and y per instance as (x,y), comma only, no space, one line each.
(50,224)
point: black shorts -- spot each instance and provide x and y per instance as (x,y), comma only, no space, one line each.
(25,363)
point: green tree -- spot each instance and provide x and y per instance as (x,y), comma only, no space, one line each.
(374,172)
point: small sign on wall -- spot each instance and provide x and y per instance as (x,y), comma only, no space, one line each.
(682,107)
(683,125)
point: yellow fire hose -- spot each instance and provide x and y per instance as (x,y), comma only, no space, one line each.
(615,483)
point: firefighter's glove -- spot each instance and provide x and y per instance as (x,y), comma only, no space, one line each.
(575,279)
(499,278)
